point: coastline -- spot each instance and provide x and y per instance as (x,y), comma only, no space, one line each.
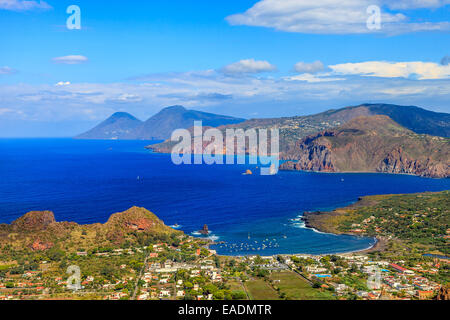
(155,150)
(379,245)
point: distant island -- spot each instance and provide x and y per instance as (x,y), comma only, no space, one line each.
(368,138)
(124,126)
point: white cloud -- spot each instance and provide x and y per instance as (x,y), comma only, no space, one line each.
(336,16)
(314,78)
(7,70)
(72,59)
(417,69)
(215,91)
(24,5)
(127,98)
(314,67)
(62,83)
(248,66)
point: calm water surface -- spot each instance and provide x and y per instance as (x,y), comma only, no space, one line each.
(87,181)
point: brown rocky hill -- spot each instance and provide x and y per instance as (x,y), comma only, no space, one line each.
(34,221)
(371,144)
(38,230)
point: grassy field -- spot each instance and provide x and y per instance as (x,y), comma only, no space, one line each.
(236,286)
(296,288)
(261,290)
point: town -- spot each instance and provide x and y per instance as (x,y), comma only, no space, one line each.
(188,270)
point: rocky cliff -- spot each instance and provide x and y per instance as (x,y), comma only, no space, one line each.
(371,144)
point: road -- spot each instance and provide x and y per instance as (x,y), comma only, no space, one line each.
(136,287)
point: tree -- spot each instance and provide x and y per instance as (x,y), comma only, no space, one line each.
(55,254)
(239,295)
(107,271)
(210,288)
(219,295)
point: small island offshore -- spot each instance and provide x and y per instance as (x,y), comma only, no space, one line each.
(134,255)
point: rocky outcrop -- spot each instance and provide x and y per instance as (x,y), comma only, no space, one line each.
(204,230)
(134,219)
(39,245)
(310,156)
(397,161)
(34,221)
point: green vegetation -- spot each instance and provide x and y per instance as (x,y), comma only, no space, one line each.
(293,287)
(260,289)
(420,220)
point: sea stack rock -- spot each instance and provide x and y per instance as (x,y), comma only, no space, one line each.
(205,230)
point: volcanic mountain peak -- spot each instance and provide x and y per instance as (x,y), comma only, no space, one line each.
(117,126)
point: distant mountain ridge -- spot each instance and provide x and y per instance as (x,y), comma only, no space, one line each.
(124,126)
(161,125)
(293,129)
(411,117)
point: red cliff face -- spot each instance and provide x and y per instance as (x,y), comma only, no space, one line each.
(39,245)
(399,162)
(311,158)
(140,225)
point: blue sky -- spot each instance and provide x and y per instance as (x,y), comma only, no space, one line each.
(263,58)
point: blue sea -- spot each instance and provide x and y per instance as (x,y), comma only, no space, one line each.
(87,181)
